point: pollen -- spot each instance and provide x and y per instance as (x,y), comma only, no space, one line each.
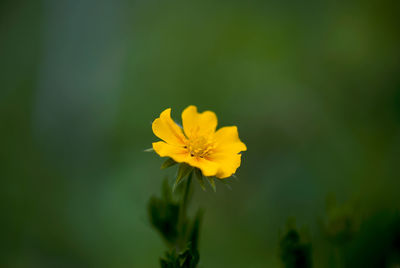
(200,146)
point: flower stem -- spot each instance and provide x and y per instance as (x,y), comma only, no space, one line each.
(182,211)
(186,194)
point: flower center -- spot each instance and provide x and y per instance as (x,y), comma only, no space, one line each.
(199,146)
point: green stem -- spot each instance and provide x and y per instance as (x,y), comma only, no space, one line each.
(186,193)
(182,212)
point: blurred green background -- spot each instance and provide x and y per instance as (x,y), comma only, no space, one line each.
(314,88)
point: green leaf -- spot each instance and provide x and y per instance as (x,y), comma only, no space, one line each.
(187,258)
(199,177)
(168,163)
(171,260)
(183,171)
(163,216)
(212,183)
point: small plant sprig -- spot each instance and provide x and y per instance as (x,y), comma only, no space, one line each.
(202,152)
(181,234)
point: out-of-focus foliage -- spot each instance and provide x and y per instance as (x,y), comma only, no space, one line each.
(313,87)
(294,251)
(342,222)
(377,243)
(188,258)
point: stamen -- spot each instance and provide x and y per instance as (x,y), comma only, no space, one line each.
(200,147)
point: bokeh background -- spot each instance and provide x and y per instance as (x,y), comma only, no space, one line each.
(314,88)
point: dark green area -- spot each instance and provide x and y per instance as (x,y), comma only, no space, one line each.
(294,252)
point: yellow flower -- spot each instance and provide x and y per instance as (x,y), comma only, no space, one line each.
(215,153)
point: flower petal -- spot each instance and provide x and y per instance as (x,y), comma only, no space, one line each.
(179,154)
(228,164)
(208,168)
(227,140)
(166,129)
(197,124)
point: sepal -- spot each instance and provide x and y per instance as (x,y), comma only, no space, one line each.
(200,178)
(212,183)
(183,171)
(226,182)
(168,163)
